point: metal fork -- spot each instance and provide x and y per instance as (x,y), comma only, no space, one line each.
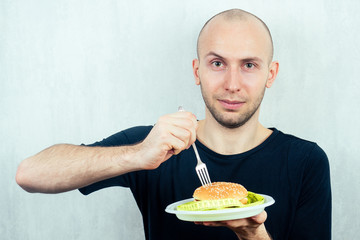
(200,168)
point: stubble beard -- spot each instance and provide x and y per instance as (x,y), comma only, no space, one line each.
(237,121)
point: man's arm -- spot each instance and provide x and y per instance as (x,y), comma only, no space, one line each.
(314,206)
(66,167)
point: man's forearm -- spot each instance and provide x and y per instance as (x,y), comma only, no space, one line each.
(65,167)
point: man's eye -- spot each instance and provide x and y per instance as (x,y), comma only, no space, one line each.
(217,64)
(249,65)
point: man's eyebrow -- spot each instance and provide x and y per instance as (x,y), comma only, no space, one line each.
(252,59)
(214,54)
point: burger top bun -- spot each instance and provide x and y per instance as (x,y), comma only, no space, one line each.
(220,190)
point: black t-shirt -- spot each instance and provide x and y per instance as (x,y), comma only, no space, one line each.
(293,171)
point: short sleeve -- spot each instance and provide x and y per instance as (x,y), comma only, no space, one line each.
(126,137)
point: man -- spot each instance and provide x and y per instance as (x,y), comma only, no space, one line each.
(233,69)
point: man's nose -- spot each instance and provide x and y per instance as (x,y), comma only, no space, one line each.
(233,80)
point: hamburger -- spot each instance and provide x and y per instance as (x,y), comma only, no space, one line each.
(221,195)
(221,190)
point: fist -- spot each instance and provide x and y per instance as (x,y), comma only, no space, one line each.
(171,134)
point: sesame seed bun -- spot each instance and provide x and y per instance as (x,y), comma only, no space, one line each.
(221,190)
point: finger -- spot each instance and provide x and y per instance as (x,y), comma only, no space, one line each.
(179,138)
(184,122)
(191,124)
(235,223)
(168,137)
(185,115)
(260,218)
(193,133)
(212,224)
(181,125)
(181,133)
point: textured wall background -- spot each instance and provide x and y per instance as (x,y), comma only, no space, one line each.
(79,71)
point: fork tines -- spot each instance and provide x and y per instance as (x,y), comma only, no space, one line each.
(203,175)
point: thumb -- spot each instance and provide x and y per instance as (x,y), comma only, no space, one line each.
(260,218)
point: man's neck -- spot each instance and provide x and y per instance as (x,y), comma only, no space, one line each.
(231,141)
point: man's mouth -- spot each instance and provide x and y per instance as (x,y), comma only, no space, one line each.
(231,104)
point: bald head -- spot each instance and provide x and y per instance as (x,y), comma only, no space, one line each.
(240,17)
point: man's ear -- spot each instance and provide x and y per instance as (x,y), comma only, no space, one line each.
(195,65)
(273,71)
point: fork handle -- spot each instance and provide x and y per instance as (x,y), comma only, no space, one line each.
(196,153)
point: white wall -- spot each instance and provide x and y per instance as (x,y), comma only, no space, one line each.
(79,71)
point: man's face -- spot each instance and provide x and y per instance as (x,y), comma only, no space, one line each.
(234,69)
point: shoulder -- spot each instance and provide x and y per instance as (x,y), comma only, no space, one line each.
(136,134)
(128,136)
(298,144)
(302,151)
